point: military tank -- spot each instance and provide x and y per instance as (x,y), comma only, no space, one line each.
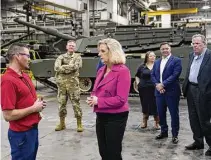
(136,40)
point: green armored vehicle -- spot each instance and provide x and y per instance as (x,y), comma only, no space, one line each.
(136,40)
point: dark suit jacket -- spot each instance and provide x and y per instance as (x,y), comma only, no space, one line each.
(204,82)
(171,73)
(204,76)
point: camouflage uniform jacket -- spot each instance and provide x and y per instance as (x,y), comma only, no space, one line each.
(67,68)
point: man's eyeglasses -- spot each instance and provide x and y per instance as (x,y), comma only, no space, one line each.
(24,54)
(192,44)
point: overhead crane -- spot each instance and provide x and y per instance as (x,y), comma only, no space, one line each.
(45,9)
(174,11)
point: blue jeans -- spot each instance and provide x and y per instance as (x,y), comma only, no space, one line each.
(24,145)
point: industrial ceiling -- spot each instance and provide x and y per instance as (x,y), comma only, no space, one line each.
(175,4)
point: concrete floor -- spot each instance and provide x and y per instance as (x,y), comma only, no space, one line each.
(138,144)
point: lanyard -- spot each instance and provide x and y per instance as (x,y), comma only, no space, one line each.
(28,85)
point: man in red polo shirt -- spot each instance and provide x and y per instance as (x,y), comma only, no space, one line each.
(20,105)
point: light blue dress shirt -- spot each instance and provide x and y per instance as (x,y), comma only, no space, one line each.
(195,66)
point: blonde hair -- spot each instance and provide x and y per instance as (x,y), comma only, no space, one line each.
(116,53)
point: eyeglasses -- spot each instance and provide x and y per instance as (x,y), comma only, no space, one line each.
(24,54)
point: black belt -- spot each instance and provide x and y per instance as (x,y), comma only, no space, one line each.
(193,84)
(35,125)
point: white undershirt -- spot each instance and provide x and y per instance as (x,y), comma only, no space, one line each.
(162,66)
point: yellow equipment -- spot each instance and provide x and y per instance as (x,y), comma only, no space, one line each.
(175,11)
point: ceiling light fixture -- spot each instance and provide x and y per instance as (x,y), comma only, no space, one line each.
(206,7)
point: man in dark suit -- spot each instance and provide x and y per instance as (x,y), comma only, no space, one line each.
(197,89)
(165,76)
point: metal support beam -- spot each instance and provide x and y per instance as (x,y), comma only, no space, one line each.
(85,20)
(47,2)
(45,9)
(187,2)
(175,11)
(28,10)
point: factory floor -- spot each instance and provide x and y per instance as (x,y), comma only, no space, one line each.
(138,144)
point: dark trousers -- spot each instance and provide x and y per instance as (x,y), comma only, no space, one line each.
(172,102)
(110,130)
(199,122)
(24,145)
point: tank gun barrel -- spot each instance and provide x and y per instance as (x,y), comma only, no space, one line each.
(49,31)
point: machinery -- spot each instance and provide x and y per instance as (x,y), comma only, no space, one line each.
(3,64)
(16,40)
(136,40)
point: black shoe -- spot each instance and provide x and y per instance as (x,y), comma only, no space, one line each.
(194,146)
(175,140)
(162,135)
(208,152)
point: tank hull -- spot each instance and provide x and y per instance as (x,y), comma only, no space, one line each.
(44,68)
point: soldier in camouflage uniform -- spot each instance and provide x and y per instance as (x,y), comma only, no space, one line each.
(67,78)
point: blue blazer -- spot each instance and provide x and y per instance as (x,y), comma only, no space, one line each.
(99,65)
(170,75)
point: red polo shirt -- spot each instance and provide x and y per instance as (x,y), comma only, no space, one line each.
(18,92)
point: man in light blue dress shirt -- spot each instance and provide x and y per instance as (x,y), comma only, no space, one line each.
(197,89)
(195,66)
